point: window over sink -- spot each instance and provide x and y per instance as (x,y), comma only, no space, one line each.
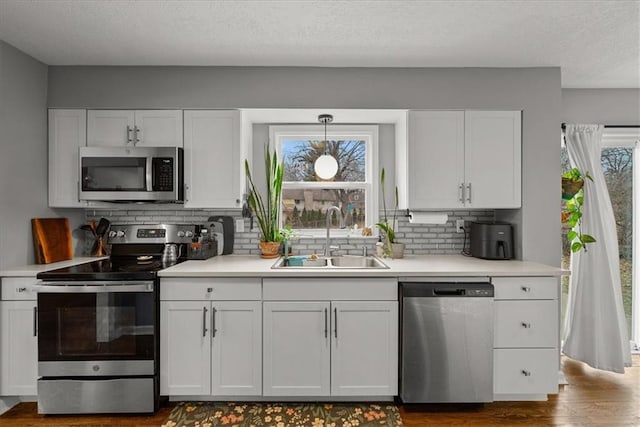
(354,189)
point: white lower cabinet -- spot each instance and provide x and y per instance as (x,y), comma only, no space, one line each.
(526,343)
(364,348)
(525,371)
(185,348)
(296,349)
(18,331)
(236,356)
(210,347)
(330,347)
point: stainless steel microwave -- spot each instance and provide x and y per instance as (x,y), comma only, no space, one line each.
(144,174)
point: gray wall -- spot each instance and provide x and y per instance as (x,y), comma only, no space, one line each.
(536,91)
(23,159)
(601,106)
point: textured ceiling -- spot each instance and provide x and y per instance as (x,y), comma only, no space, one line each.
(597,43)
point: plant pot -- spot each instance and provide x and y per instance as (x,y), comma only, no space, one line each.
(570,188)
(397,250)
(269,249)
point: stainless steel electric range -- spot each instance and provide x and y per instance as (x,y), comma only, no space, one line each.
(98,338)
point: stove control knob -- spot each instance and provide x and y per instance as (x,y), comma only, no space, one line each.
(181,233)
(189,234)
(120,233)
(112,233)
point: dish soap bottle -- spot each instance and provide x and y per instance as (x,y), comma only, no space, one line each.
(379,247)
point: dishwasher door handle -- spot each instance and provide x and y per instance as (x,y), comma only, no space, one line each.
(449,292)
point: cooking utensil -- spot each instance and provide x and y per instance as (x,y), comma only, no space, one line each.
(87,227)
(102,227)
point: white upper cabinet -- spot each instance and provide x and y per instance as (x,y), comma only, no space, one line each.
(149,128)
(436,159)
(464,159)
(212,164)
(67,133)
(492,159)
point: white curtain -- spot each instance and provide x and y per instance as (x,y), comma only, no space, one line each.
(595,326)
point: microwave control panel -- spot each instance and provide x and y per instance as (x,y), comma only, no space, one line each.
(162,174)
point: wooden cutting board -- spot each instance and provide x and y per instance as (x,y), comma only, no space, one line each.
(52,239)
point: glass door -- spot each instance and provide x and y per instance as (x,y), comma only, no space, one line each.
(619,154)
(81,326)
(619,158)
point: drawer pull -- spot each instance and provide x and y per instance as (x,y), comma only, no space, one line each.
(209,290)
(23,289)
(526,289)
(526,325)
(526,373)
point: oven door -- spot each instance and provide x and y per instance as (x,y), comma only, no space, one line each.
(97,329)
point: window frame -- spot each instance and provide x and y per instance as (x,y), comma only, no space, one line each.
(368,133)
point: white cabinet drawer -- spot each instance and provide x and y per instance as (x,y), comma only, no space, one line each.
(525,371)
(525,287)
(331,289)
(526,324)
(215,289)
(18,288)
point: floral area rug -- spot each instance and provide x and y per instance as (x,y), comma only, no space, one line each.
(211,414)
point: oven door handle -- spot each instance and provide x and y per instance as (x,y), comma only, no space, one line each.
(92,288)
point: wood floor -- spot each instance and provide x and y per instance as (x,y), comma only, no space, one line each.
(592,398)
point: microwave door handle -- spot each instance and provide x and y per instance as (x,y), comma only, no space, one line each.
(150,174)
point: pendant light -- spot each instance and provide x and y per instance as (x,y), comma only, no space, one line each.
(326,166)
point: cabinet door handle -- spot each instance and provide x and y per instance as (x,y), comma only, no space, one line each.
(137,129)
(129,138)
(204,321)
(525,289)
(35,321)
(23,289)
(525,373)
(186,192)
(335,330)
(213,322)
(469,192)
(461,192)
(526,325)
(325,323)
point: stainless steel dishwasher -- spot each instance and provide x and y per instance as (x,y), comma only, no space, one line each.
(447,341)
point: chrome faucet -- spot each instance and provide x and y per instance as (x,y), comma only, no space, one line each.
(327,246)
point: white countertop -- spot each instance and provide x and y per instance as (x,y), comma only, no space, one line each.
(410,266)
(32,270)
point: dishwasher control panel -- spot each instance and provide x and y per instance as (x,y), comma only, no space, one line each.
(479,292)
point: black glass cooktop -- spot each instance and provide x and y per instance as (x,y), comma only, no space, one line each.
(107,269)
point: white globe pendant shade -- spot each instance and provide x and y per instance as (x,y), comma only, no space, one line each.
(326,166)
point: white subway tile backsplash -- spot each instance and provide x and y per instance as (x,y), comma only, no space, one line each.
(418,238)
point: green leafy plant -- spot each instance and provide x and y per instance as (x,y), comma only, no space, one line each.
(572,215)
(388,228)
(267,208)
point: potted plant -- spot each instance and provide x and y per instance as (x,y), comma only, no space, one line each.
(267,208)
(287,235)
(572,193)
(392,247)
(572,182)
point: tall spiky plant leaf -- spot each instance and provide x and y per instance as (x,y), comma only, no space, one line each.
(267,209)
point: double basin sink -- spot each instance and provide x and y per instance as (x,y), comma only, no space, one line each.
(334,262)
